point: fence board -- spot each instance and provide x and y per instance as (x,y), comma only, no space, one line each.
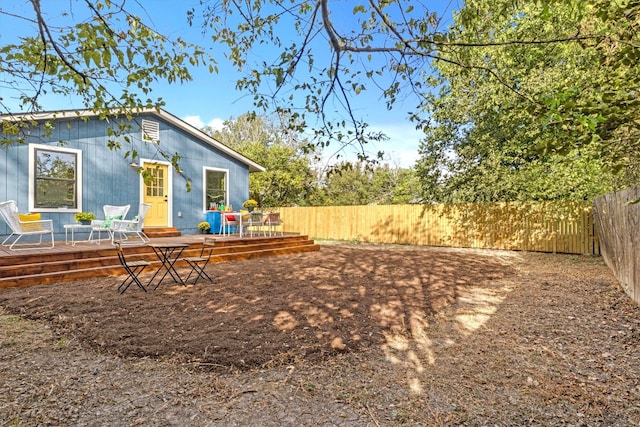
(616,223)
(564,227)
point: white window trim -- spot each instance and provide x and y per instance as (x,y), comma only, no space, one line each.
(32,177)
(204,184)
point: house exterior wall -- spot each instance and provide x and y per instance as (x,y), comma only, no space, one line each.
(107,177)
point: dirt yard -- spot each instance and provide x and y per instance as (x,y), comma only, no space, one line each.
(353,335)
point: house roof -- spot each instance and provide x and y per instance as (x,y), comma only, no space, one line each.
(174,120)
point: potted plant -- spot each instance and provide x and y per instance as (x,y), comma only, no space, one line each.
(250,204)
(204,227)
(84,218)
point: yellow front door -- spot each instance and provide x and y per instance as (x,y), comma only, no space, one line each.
(156,193)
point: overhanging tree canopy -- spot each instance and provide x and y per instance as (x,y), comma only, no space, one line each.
(391,46)
(112,60)
(96,50)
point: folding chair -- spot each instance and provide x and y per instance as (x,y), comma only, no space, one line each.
(133,268)
(198,263)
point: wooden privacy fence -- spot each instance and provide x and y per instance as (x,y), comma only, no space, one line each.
(562,227)
(617,221)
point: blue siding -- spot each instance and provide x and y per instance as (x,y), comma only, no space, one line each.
(108,179)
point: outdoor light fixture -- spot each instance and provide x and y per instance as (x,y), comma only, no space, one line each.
(133,164)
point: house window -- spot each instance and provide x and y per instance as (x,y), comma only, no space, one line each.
(150,131)
(54,178)
(216,187)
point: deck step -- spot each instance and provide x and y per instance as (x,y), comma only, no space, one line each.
(153,232)
(90,261)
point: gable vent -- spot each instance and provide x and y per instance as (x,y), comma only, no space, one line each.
(150,131)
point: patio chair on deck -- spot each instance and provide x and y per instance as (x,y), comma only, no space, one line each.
(230,223)
(272,221)
(134,226)
(111,213)
(255,221)
(24,225)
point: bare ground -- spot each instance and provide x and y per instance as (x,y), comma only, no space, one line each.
(353,335)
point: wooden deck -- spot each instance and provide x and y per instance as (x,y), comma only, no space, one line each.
(65,262)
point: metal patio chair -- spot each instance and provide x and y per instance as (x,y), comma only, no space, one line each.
(272,221)
(24,225)
(198,263)
(133,269)
(255,221)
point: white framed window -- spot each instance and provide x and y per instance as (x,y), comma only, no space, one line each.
(216,187)
(150,131)
(55,179)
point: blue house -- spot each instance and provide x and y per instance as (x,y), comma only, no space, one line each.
(71,161)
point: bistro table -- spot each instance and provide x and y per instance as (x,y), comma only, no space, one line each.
(168,254)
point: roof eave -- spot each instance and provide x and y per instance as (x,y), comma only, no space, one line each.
(197,133)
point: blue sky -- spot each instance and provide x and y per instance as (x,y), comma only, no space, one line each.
(211,98)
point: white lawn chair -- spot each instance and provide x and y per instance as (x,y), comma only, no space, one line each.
(19,228)
(111,213)
(125,227)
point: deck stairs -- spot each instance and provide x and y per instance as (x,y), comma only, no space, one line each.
(153,232)
(66,263)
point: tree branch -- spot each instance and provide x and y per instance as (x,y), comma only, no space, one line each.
(44,29)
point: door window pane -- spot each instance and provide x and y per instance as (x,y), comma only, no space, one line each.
(155,188)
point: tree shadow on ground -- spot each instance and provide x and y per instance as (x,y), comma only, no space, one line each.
(273,311)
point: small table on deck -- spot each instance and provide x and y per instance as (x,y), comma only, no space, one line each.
(168,254)
(74,228)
